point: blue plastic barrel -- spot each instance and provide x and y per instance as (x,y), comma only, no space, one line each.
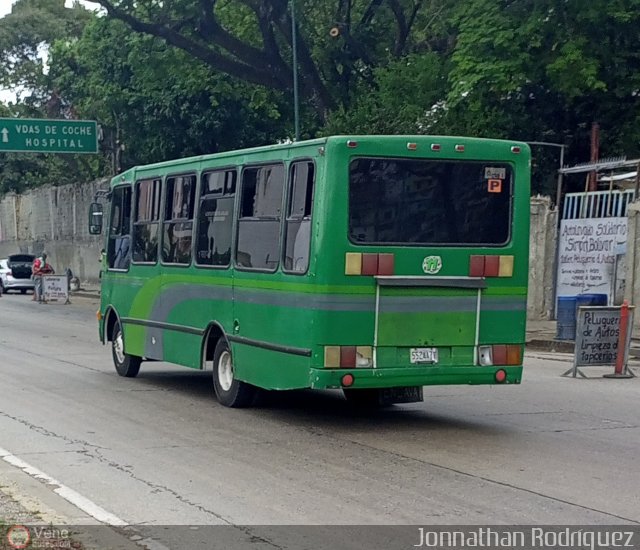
(591,300)
(566,323)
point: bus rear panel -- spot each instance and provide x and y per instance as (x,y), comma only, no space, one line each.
(426,244)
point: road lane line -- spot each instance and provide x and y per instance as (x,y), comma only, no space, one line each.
(75,498)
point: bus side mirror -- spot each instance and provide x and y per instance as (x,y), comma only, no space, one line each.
(95,218)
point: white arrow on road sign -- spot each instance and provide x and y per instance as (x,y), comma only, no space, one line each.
(5,135)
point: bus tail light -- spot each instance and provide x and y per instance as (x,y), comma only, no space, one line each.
(436,147)
(352,144)
(514,355)
(369,264)
(490,266)
(412,146)
(515,149)
(500,355)
(501,376)
(348,357)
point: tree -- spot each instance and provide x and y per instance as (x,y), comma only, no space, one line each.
(403,99)
(251,39)
(545,70)
(156,101)
(26,36)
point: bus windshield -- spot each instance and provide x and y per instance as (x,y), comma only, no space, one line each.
(429,202)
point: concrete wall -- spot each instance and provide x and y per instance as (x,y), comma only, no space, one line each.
(54,219)
(542,260)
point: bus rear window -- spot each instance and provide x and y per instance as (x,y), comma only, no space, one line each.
(429,202)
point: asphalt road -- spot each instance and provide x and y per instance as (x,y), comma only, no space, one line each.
(159,450)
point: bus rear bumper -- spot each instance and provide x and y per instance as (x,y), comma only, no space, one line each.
(413,376)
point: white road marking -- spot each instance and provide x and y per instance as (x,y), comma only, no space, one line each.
(75,498)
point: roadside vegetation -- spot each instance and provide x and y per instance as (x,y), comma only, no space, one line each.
(172,79)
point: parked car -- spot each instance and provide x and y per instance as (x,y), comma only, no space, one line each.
(15,273)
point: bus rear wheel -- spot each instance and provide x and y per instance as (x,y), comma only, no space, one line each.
(126,365)
(229,391)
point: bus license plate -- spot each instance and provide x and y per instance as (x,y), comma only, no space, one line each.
(424,355)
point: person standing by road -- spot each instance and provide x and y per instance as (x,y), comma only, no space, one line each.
(39,269)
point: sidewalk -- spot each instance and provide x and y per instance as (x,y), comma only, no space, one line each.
(87,290)
(541,335)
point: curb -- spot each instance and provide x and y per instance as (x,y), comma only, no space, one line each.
(558,346)
(84,294)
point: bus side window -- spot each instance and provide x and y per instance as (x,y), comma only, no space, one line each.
(258,243)
(215,218)
(178,220)
(298,220)
(146,221)
(119,243)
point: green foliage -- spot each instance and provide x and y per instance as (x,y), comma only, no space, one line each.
(171,79)
(404,99)
(26,35)
(158,101)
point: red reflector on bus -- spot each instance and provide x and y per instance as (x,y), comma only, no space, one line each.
(369,264)
(385,264)
(501,376)
(347,357)
(491,266)
(352,144)
(515,149)
(348,380)
(436,147)
(476,266)
(459,148)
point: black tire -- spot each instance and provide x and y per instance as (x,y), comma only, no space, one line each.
(363,399)
(23,291)
(126,365)
(229,391)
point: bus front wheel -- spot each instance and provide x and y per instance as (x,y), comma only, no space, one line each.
(230,391)
(126,365)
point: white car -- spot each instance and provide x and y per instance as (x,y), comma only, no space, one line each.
(15,273)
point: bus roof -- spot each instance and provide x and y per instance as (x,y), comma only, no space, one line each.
(311,143)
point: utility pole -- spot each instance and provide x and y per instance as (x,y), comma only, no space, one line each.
(294,48)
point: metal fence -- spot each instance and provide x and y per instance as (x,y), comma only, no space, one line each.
(597,204)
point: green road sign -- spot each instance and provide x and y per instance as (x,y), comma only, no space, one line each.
(37,135)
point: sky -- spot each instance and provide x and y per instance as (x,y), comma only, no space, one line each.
(5,8)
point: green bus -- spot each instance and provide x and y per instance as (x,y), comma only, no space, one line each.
(372,264)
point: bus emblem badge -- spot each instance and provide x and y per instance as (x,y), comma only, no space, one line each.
(432,265)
